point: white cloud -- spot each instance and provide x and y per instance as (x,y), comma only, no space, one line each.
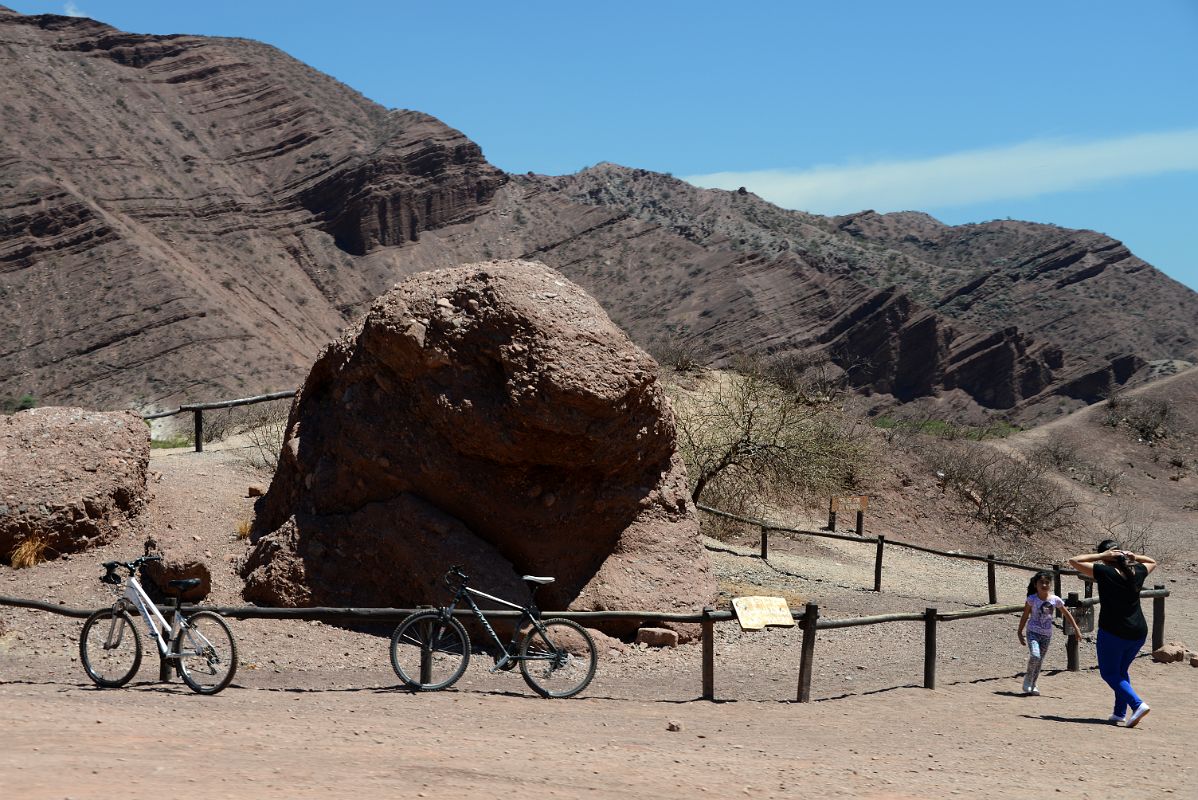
(972,176)
(72,10)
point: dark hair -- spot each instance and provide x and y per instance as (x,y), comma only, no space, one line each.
(1031,585)
(1120,560)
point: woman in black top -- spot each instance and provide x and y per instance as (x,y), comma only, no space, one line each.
(1122,629)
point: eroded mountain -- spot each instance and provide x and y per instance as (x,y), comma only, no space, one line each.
(186,218)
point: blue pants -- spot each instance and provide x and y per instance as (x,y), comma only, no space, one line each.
(1115,655)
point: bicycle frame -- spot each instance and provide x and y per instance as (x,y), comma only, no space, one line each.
(136,596)
(528,613)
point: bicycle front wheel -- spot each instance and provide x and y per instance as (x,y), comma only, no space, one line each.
(429,652)
(207,652)
(110,648)
(557,658)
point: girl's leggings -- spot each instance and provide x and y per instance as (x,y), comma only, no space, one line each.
(1115,655)
(1037,646)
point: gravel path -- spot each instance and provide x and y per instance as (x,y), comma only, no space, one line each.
(314,710)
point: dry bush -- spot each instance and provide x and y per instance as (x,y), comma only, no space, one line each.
(30,552)
(1141,530)
(749,444)
(264,427)
(244,527)
(1061,453)
(1148,419)
(1011,497)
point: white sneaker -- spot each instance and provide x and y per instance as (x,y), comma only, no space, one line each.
(1138,715)
(1034,692)
(1114,719)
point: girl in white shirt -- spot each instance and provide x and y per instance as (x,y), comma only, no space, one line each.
(1038,613)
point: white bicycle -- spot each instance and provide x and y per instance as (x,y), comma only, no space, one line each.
(200,646)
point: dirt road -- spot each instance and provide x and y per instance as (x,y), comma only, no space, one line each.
(64,739)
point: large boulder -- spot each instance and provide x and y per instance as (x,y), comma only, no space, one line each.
(70,478)
(491,416)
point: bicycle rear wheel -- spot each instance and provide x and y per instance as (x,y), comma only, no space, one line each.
(207,652)
(110,648)
(558,658)
(429,652)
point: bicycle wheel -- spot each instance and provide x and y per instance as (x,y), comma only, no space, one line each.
(558,660)
(110,648)
(207,652)
(428,652)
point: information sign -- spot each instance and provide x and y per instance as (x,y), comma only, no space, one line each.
(755,613)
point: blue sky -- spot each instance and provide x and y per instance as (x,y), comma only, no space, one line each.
(1082,113)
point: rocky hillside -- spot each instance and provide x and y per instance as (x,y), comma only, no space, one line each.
(185,218)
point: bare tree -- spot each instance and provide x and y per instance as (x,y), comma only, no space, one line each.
(746,440)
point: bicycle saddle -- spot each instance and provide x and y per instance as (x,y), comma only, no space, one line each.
(183,584)
(536,579)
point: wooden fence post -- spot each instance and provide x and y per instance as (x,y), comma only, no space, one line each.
(1056,579)
(860,522)
(929,648)
(1158,620)
(1071,658)
(807,654)
(199,429)
(1089,587)
(832,514)
(878,564)
(765,543)
(708,654)
(990,580)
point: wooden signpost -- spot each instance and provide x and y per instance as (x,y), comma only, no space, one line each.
(856,503)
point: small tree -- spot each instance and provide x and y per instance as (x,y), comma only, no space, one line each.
(747,440)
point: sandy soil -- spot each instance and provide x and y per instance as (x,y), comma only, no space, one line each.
(315,710)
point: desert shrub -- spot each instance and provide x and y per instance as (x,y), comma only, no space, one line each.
(679,356)
(264,427)
(173,441)
(244,527)
(1062,454)
(1139,529)
(11,405)
(899,427)
(1147,418)
(1011,497)
(749,443)
(29,552)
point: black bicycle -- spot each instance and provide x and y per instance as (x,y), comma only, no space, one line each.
(430,649)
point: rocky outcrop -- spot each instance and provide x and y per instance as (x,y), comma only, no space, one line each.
(70,479)
(490,416)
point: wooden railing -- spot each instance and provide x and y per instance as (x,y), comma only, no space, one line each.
(198,409)
(808,620)
(881,542)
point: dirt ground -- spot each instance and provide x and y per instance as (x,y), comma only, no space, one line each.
(315,709)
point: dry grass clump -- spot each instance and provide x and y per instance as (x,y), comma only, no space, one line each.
(30,552)
(244,527)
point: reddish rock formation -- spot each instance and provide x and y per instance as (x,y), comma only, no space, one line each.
(491,416)
(189,218)
(71,478)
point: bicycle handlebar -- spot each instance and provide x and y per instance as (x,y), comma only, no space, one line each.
(455,572)
(110,575)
